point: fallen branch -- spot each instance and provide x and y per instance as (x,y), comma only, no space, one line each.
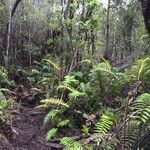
(49,144)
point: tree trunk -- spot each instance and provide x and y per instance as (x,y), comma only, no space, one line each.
(8,37)
(9,25)
(107,50)
(146,13)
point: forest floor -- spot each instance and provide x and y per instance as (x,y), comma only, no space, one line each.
(25,130)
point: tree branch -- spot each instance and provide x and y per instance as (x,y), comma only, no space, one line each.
(15,7)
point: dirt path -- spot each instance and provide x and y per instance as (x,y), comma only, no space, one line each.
(26,131)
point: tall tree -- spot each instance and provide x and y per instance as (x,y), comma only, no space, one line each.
(107,50)
(9,25)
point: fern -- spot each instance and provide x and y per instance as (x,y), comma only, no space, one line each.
(106,142)
(140,69)
(85,130)
(73,93)
(70,144)
(105,123)
(53,101)
(4,90)
(63,123)
(70,79)
(3,73)
(129,136)
(51,133)
(139,117)
(49,62)
(143,67)
(4,105)
(50,115)
(104,79)
(142,108)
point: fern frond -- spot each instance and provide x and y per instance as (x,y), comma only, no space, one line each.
(105,123)
(140,69)
(70,79)
(73,93)
(71,144)
(50,115)
(129,136)
(53,101)
(63,123)
(142,107)
(4,90)
(51,133)
(54,65)
(143,66)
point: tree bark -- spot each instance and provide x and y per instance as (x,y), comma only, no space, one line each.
(146,13)
(8,37)
(15,7)
(9,25)
(107,46)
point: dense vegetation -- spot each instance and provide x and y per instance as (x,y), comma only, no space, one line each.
(83,66)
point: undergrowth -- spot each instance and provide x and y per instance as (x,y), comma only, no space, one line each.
(88,101)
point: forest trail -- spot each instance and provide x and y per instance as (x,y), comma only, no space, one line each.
(26,130)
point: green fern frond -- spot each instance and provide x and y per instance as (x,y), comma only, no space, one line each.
(105,123)
(53,101)
(3,73)
(50,115)
(63,123)
(4,90)
(143,66)
(65,87)
(88,61)
(85,129)
(70,144)
(142,108)
(70,79)
(129,136)
(51,133)
(106,142)
(106,62)
(54,65)
(73,93)
(140,69)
